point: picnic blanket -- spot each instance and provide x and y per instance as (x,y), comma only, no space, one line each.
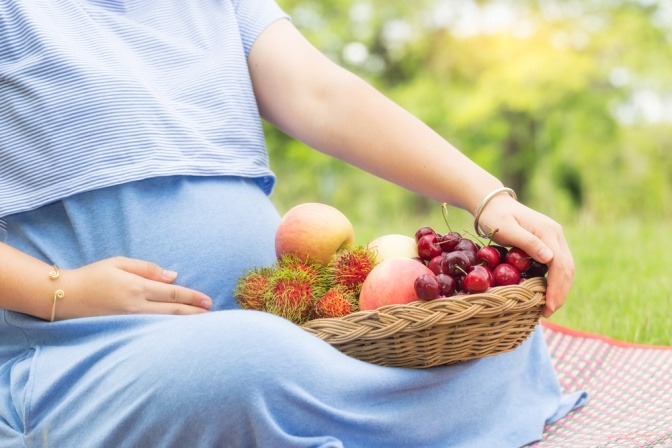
(629,388)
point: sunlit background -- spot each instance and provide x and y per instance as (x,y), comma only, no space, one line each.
(568,102)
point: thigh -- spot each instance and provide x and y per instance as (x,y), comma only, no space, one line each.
(171,381)
(244,378)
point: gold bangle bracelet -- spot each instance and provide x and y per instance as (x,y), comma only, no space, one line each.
(54,274)
(484,202)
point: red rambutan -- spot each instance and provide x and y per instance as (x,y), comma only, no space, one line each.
(313,268)
(252,288)
(337,302)
(292,294)
(350,267)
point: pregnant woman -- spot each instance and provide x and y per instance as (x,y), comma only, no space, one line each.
(134,191)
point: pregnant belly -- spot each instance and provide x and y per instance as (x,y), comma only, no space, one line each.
(207,229)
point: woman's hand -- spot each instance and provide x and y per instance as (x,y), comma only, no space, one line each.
(538,235)
(125,286)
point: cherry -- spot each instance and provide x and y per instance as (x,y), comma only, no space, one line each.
(477,280)
(501,250)
(456,264)
(467,244)
(461,266)
(459,289)
(435,264)
(488,256)
(505,274)
(471,256)
(518,258)
(535,269)
(426,287)
(449,240)
(422,231)
(492,277)
(447,285)
(428,247)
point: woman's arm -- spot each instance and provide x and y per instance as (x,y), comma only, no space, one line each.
(307,96)
(113,286)
(310,98)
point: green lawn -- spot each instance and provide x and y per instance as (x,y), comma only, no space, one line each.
(623,285)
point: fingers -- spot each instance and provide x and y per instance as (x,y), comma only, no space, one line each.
(561,273)
(160,296)
(526,240)
(543,239)
(173,308)
(177,295)
(144,269)
(549,247)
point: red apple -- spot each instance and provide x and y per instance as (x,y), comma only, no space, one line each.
(313,230)
(391,282)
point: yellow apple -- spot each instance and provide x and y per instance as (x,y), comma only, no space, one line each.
(394,246)
(313,230)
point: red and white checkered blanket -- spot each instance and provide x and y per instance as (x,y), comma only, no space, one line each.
(629,388)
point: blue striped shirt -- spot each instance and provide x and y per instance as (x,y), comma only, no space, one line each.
(100,92)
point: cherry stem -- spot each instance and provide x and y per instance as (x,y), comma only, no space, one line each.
(444,212)
(476,237)
(491,235)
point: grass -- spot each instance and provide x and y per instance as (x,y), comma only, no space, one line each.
(623,284)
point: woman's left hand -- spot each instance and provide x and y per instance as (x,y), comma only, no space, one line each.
(538,235)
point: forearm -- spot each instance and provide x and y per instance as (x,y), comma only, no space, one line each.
(112,286)
(25,285)
(361,126)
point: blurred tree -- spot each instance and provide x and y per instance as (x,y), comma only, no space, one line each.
(563,100)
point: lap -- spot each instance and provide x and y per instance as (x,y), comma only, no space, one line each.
(244,377)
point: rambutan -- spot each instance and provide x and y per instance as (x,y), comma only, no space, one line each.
(350,267)
(336,302)
(313,268)
(291,261)
(292,294)
(252,288)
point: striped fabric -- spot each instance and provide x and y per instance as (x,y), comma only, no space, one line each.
(100,92)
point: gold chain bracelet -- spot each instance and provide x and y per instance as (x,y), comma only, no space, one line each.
(54,274)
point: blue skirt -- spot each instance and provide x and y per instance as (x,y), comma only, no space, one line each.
(229,378)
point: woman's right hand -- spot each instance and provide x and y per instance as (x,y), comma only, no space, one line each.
(122,285)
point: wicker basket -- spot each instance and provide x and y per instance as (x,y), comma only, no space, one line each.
(439,332)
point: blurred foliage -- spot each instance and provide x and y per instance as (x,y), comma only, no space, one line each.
(563,100)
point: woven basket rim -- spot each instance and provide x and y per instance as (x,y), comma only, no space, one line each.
(535,284)
(443,331)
